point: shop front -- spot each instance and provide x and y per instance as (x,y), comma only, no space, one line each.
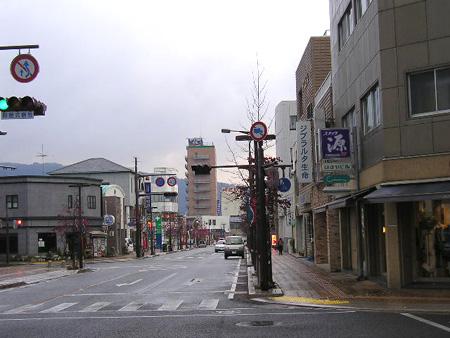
(417,230)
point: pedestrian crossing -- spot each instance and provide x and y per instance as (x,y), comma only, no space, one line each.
(169,305)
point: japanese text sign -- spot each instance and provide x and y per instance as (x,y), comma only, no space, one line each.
(304,155)
(335,143)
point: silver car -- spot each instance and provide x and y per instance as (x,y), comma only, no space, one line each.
(220,245)
(234,246)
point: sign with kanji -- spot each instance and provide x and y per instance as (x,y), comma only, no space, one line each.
(304,152)
(335,143)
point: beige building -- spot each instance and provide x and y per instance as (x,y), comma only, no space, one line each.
(391,85)
(201,189)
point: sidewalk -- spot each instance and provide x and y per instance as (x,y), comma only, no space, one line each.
(304,284)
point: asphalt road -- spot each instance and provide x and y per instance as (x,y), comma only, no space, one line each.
(193,293)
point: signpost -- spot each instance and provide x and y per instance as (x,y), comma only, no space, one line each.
(109,220)
(258,131)
(24,68)
(284,184)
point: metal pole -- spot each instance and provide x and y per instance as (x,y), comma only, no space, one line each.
(136,212)
(80,254)
(19,47)
(7,234)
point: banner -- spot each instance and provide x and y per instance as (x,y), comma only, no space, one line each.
(304,153)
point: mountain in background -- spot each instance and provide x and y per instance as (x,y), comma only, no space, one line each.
(39,169)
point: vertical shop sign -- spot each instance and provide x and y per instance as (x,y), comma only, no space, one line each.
(304,160)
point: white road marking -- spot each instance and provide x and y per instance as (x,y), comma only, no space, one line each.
(155,284)
(208,304)
(23,308)
(133,306)
(58,308)
(426,321)
(171,305)
(131,283)
(95,307)
(190,314)
(235,279)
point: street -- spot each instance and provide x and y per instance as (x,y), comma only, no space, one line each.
(194,293)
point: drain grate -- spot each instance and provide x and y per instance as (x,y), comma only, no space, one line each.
(259,323)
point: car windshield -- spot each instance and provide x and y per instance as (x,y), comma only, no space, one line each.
(234,240)
(221,242)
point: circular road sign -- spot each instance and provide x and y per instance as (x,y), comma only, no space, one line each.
(258,131)
(284,184)
(171,181)
(108,220)
(159,181)
(24,68)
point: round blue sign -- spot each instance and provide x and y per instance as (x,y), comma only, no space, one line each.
(284,184)
(159,181)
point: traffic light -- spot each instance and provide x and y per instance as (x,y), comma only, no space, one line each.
(26,103)
(201,169)
(17,223)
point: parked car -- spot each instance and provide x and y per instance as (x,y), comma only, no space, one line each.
(201,244)
(234,246)
(220,245)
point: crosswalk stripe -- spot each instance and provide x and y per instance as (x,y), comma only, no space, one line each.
(23,308)
(133,306)
(171,305)
(208,304)
(95,307)
(58,308)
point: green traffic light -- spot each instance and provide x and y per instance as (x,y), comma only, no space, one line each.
(3,104)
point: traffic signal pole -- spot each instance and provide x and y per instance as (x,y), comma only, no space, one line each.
(136,212)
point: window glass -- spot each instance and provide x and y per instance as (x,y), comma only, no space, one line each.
(12,201)
(69,202)
(234,240)
(348,121)
(443,88)
(91,202)
(370,106)
(345,26)
(292,122)
(423,99)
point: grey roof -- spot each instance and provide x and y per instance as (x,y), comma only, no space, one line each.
(92,165)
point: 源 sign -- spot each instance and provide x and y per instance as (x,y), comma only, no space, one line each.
(335,143)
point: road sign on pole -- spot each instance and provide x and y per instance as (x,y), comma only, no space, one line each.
(258,131)
(24,68)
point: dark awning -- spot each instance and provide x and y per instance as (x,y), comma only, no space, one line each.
(410,192)
(343,202)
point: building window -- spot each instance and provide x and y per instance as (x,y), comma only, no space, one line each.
(310,111)
(70,202)
(348,120)
(91,202)
(361,7)
(12,201)
(292,122)
(370,105)
(429,92)
(345,26)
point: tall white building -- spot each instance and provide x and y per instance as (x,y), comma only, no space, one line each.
(286,141)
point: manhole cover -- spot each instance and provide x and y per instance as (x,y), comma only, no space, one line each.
(259,323)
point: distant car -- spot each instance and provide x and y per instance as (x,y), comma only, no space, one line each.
(201,244)
(220,245)
(234,246)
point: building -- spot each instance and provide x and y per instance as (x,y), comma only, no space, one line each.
(47,208)
(231,208)
(201,189)
(313,233)
(286,144)
(391,85)
(164,205)
(111,173)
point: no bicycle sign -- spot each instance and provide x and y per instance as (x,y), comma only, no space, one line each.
(24,68)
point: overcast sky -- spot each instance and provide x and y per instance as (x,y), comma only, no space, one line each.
(137,78)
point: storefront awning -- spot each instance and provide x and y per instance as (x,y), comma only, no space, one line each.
(96,233)
(410,192)
(343,202)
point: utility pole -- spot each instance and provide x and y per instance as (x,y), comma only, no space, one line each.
(136,212)
(80,228)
